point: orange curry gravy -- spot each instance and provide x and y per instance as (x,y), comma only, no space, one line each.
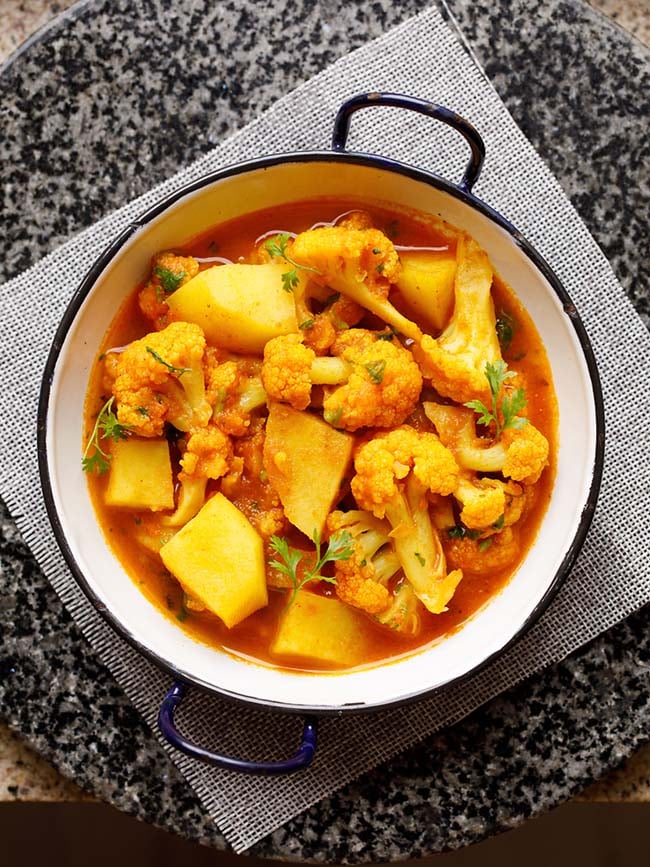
(251,638)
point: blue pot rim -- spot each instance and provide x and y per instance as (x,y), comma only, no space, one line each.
(354,158)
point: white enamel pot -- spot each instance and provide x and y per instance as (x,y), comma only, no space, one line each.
(265,183)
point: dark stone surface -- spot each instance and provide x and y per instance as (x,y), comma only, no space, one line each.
(112,99)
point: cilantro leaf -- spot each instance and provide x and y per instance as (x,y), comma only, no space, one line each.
(333,416)
(460,531)
(485,416)
(506,325)
(179,371)
(169,280)
(99,461)
(277,247)
(505,414)
(290,280)
(510,406)
(94,458)
(376,370)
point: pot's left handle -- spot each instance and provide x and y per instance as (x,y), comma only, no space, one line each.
(301,759)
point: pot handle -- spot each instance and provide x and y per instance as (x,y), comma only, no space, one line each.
(412,103)
(301,759)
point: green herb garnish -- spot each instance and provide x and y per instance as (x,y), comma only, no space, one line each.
(339,548)
(380,268)
(331,299)
(179,371)
(387,335)
(277,246)
(333,416)
(106,427)
(376,370)
(182,614)
(307,325)
(460,531)
(169,280)
(506,326)
(420,559)
(220,404)
(504,416)
(484,544)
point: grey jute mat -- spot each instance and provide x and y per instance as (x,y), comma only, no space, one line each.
(612,577)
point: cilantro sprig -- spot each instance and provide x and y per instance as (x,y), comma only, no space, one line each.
(504,411)
(277,246)
(339,547)
(169,280)
(179,371)
(94,458)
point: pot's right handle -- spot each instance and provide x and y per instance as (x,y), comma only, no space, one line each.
(412,103)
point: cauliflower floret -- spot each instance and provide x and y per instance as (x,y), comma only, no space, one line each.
(234,389)
(388,458)
(286,372)
(383,386)
(159,378)
(482,556)
(359,263)
(290,369)
(382,464)
(356,583)
(110,359)
(169,272)
(483,501)
(320,330)
(455,361)
(363,579)
(207,455)
(521,453)
(526,453)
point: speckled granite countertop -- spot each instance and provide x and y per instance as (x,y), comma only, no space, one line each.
(100,106)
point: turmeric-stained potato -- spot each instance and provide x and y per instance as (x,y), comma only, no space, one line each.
(318,629)
(239,307)
(141,475)
(218,559)
(306,460)
(426,283)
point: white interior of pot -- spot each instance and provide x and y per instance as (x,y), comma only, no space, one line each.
(490,628)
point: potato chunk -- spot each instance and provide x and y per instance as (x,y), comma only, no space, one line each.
(218,559)
(141,475)
(319,629)
(306,460)
(239,307)
(426,283)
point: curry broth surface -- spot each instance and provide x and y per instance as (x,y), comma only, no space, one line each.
(251,638)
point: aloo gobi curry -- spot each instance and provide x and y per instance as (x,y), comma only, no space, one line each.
(321,436)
